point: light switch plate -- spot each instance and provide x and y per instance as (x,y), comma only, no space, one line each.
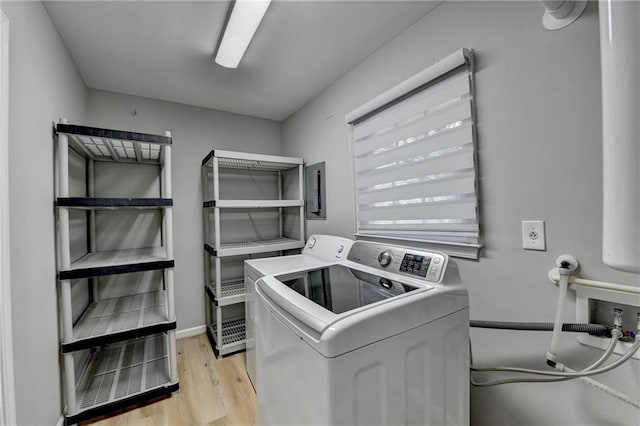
(533,237)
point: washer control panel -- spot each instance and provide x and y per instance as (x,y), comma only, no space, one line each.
(327,247)
(415,264)
(429,266)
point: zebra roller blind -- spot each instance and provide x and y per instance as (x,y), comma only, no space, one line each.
(414,155)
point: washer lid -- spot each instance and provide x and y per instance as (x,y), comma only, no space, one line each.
(319,297)
(340,289)
(337,309)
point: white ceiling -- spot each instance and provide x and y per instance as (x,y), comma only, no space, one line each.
(164,50)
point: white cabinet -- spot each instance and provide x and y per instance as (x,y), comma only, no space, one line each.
(118,347)
(252,207)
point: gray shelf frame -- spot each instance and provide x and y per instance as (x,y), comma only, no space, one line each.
(215,250)
(96,331)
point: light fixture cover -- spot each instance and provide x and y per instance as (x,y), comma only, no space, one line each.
(242,25)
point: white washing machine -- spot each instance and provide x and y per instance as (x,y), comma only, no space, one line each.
(320,251)
(379,339)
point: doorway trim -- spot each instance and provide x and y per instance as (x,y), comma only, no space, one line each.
(7,389)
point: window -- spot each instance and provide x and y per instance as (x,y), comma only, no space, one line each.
(414,159)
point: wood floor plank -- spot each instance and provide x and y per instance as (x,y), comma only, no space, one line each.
(213,392)
(239,396)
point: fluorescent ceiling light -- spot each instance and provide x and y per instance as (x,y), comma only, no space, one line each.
(242,25)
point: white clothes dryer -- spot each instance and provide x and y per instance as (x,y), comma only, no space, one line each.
(379,339)
(320,251)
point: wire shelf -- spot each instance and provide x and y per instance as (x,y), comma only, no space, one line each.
(234,163)
(231,292)
(252,204)
(246,161)
(124,370)
(117,319)
(233,331)
(95,203)
(252,247)
(118,262)
(115,145)
(233,336)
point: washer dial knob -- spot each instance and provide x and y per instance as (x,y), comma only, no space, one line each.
(385,258)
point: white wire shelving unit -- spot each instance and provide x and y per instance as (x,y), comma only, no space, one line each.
(120,351)
(275,186)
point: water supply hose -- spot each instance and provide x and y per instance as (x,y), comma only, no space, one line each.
(582,373)
(613,341)
(563,372)
(563,285)
(590,369)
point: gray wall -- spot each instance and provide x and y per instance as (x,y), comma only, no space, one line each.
(538,96)
(539,131)
(44,85)
(195,131)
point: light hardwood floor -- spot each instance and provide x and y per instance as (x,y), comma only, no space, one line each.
(213,392)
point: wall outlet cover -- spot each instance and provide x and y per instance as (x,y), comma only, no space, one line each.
(533,237)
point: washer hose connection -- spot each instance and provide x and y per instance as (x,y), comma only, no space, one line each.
(563,284)
(566,264)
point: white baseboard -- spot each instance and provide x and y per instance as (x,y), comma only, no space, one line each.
(190,332)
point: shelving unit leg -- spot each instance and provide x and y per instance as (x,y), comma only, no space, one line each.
(91,224)
(163,230)
(167,169)
(63,191)
(63,163)
(218,272)
(219,327)
(207,280)
(216,226)
(167,231)
(301,197)
(208,311)
(63,233)
(67,320)
(166,192)
(70,383)
(173,361)
(91,192)
(206,261)
(169,288)
(205,212)
(280,224)
(216,196)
